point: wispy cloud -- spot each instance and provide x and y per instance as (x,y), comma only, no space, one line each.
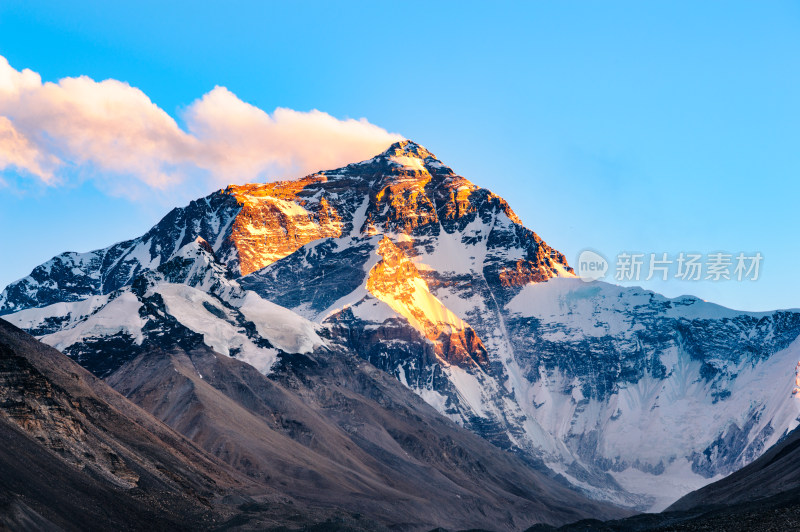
(113,133)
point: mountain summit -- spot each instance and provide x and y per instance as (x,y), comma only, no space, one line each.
(408,156)
(403,190)
(408,148)
(629,396)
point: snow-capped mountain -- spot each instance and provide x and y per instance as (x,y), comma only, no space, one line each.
(189,296)
(630,396)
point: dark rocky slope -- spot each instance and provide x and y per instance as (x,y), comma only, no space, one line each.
(325,437)
(331,430)
(778,513)
(77,455)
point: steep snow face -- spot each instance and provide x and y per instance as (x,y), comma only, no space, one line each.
(396,281)
(665,394)
(282,328)
(221,330)
(58,316)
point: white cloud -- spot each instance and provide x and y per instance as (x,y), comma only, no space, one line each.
(113,133)
(17,150)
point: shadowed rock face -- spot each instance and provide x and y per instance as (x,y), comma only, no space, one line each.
(33,403)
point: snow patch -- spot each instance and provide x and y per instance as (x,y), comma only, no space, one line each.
(121,315)
(282,327)
(189,306)
(413,163)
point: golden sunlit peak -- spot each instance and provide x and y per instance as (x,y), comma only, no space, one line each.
(408,148)
(413,158)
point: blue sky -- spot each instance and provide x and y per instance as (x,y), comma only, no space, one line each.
(616,126)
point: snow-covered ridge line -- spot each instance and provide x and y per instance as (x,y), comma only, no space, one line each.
(193,290)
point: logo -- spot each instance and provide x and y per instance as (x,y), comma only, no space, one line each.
(591,266)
